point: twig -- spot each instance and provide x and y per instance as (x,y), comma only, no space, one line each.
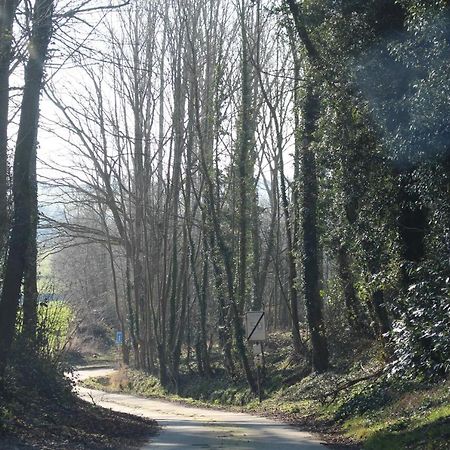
(92,398)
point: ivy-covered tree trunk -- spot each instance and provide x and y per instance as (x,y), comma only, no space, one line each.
(201,290)
(295,218)
(377,308)
(245,176)
(224,331)
(30,289)
(350,297)
(320,357)
(24,158)
(7,11)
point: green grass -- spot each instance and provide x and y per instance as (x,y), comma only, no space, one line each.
(416,419)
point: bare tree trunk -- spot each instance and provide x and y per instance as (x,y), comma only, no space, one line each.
(218,249)
(25,156)
(120,318)
(131,313)
(176,270)
(203,305)
(161,104)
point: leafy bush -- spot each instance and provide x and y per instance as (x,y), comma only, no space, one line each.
(422,334)
(53,326)
(54,320)
(36,366)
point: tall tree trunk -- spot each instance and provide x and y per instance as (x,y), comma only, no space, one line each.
(203,311)
(161,105)
(245,174)
(119,314)
(138,111)
(178,126)
(295,218)
(320,356)
(313,299)
(201,288)
(183,287)
(30,289)
(7,11)
(25,156)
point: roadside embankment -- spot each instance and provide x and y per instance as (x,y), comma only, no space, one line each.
(357,408)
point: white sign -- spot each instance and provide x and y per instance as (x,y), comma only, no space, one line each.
(255,326)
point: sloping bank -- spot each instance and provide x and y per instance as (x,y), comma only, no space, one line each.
(360,410)
(39,410)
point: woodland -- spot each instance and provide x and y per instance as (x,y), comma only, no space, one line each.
(198,159)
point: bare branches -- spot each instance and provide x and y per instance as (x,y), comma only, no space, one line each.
(82,9)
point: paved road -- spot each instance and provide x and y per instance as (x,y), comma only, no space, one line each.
(185,427)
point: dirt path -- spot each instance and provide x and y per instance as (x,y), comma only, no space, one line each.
(185,427)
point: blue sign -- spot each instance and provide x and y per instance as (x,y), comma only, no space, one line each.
(119,337)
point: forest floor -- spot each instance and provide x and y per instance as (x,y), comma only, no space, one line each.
(353,406)
(58,420)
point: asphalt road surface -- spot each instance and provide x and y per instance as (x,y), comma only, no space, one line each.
(186,427)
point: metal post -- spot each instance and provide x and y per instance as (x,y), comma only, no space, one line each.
(258,377)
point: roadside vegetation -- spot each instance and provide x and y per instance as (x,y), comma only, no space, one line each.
(40,411)
(38,407)
(353,404)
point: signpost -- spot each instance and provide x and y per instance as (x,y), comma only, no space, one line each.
(255,328)
(119,343)
(257,349)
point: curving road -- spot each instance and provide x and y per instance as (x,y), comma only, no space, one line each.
(185,427)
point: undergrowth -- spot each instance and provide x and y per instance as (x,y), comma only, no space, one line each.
(39,410)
